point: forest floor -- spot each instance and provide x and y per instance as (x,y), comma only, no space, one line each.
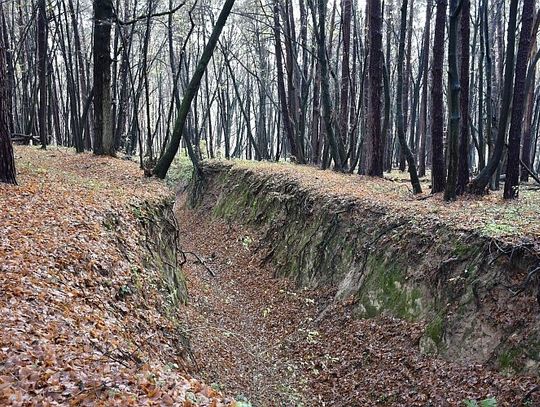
(265,339)
(79,323)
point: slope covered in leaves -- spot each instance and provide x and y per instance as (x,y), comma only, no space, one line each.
(82,321)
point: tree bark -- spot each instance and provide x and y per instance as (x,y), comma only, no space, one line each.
(335,143)
(464,135)
(454,99)
(42,71)
(375,146)
(479,184)
(346,14)
(7,160)
(424,99)
(438,172)
(103,17)
(511,183)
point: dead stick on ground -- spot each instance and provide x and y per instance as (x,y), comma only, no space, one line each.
(201,261)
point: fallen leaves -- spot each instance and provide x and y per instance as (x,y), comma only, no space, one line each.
(265,338)
(67,335)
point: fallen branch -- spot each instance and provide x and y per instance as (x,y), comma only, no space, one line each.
(184,253)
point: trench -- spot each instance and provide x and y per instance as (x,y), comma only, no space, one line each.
(298,299)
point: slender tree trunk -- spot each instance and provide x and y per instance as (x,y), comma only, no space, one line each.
(334,143)
(42,69)
(285,114)
(530,90)
(7,161)
(375,147)
(316,117)
(103,16)
(454,99)
(489,87)
(400,122)
(406,82)
(346,15)
(464,136)
(511,184)
(479,184)
(424,100)
(438,172)
(162,166)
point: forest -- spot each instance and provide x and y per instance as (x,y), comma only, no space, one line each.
(422,86)
(257,203)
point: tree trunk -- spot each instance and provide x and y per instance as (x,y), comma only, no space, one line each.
(285,114)
(346,15)
(103,16)
(334,143)
(7,161)
(464,139)
(530,91)
(424,100)
(162,166)
(511,184)
(399,100)
(454,99)
(375,146)
(437,150)
(479,184)
(42,69)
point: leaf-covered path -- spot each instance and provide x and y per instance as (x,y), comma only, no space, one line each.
(258,336)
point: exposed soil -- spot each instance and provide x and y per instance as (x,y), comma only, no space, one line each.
(259,336)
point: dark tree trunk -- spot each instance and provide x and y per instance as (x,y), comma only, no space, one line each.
(7,161)
(346,6)
(438,172)
(406,83)
(334,144)
(480,120)
(285,114)
(375,146)
(527,132)
(424,99)
(479,184)
(103,17)
(530,91)
(316,117)
(464,139)
(511,184)
(453,101)
(42,69)
(399,100)
(162,166)
(489,87)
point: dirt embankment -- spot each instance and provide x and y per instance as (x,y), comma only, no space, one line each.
(466,285)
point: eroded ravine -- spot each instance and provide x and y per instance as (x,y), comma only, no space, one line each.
(257,335)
